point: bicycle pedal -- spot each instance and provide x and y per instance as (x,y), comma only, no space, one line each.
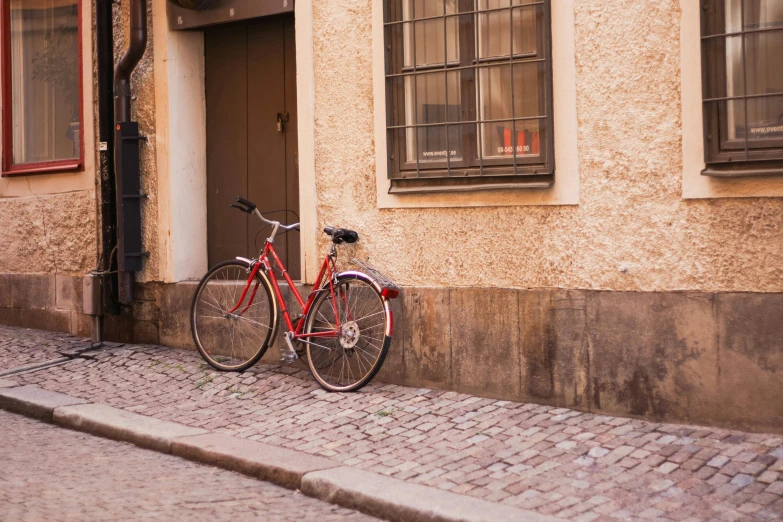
(288,357)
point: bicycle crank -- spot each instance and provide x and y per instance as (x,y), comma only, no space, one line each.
(289,355)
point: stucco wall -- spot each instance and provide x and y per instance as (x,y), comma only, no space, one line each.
(48,233)
(631,231)
(48,221)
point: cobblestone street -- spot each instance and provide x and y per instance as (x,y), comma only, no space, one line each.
(556,461)
(17,351)
(49,473)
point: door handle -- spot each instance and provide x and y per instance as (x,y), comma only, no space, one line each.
(282,119)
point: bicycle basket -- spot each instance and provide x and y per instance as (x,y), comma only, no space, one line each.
(388,289)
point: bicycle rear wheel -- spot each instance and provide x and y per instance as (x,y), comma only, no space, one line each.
(232,341)
(350,361)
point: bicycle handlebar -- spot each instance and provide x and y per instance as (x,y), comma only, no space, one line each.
(251,208)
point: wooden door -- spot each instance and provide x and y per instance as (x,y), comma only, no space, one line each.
(250,80)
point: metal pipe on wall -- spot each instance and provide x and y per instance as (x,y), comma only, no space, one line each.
(100,285)
(105,77)
(137,44)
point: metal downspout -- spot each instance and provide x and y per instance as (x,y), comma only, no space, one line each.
(105,73)
(122,99)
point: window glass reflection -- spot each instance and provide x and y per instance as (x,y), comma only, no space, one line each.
(44,80)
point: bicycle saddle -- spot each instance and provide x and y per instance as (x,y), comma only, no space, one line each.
(341,235)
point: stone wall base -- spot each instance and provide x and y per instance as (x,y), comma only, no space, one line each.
(44,301)
(704,358)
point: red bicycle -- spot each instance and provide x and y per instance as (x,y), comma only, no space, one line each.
(344,328)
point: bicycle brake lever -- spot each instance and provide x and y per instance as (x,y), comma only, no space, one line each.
(243,209)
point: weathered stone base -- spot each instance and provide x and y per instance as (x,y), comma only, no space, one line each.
(161,315)
(704,358)
(44,301)
(714,359)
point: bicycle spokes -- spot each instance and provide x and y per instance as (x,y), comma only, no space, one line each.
(351,357)
(231,325)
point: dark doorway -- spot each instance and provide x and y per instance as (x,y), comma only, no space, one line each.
(250,85)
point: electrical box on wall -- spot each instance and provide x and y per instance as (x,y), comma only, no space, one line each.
(189,14)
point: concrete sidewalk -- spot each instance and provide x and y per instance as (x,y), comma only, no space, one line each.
(527,457)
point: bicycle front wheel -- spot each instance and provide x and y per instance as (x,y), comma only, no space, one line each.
(350,360)
(232,335)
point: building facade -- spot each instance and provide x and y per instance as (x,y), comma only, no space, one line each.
(581,199)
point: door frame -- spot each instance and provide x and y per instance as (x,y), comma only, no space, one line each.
(180,147)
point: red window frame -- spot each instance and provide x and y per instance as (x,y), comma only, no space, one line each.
(42,167)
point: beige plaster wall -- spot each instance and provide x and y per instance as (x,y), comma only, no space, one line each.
(48,221)
(632,229)
(48,233)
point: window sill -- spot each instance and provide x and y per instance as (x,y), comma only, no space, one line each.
(475,184)
(743,171)
(43,168)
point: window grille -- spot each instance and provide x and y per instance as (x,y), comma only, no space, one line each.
(469,94)
(742,45)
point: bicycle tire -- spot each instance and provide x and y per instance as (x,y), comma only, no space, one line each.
(212,328)
(363,353)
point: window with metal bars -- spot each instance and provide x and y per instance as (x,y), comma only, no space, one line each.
(469,94)
(742,67)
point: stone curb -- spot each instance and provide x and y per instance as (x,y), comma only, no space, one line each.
(117,424)
(35,366)
(35,402)
(7,384)
(280,466)
(400,501)
(318,477)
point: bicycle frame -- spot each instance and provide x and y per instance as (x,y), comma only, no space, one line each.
(263,261)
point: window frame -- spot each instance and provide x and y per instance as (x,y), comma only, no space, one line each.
(762,157)
(472,171)
(42,167)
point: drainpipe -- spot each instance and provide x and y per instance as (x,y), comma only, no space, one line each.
(100,285)
(137,45)
(105,57)
(127,168)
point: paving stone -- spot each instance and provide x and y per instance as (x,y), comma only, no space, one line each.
(598,452)
(777,453)
(22,347)
(584,461)
(100,479)
(719,461)
(661,485)
(753,468)
(692,464)
(742,480)
(768,477)
(666,468)
(451,441)
(776,488)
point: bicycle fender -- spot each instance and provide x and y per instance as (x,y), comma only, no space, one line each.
(363,276)
(377,287)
